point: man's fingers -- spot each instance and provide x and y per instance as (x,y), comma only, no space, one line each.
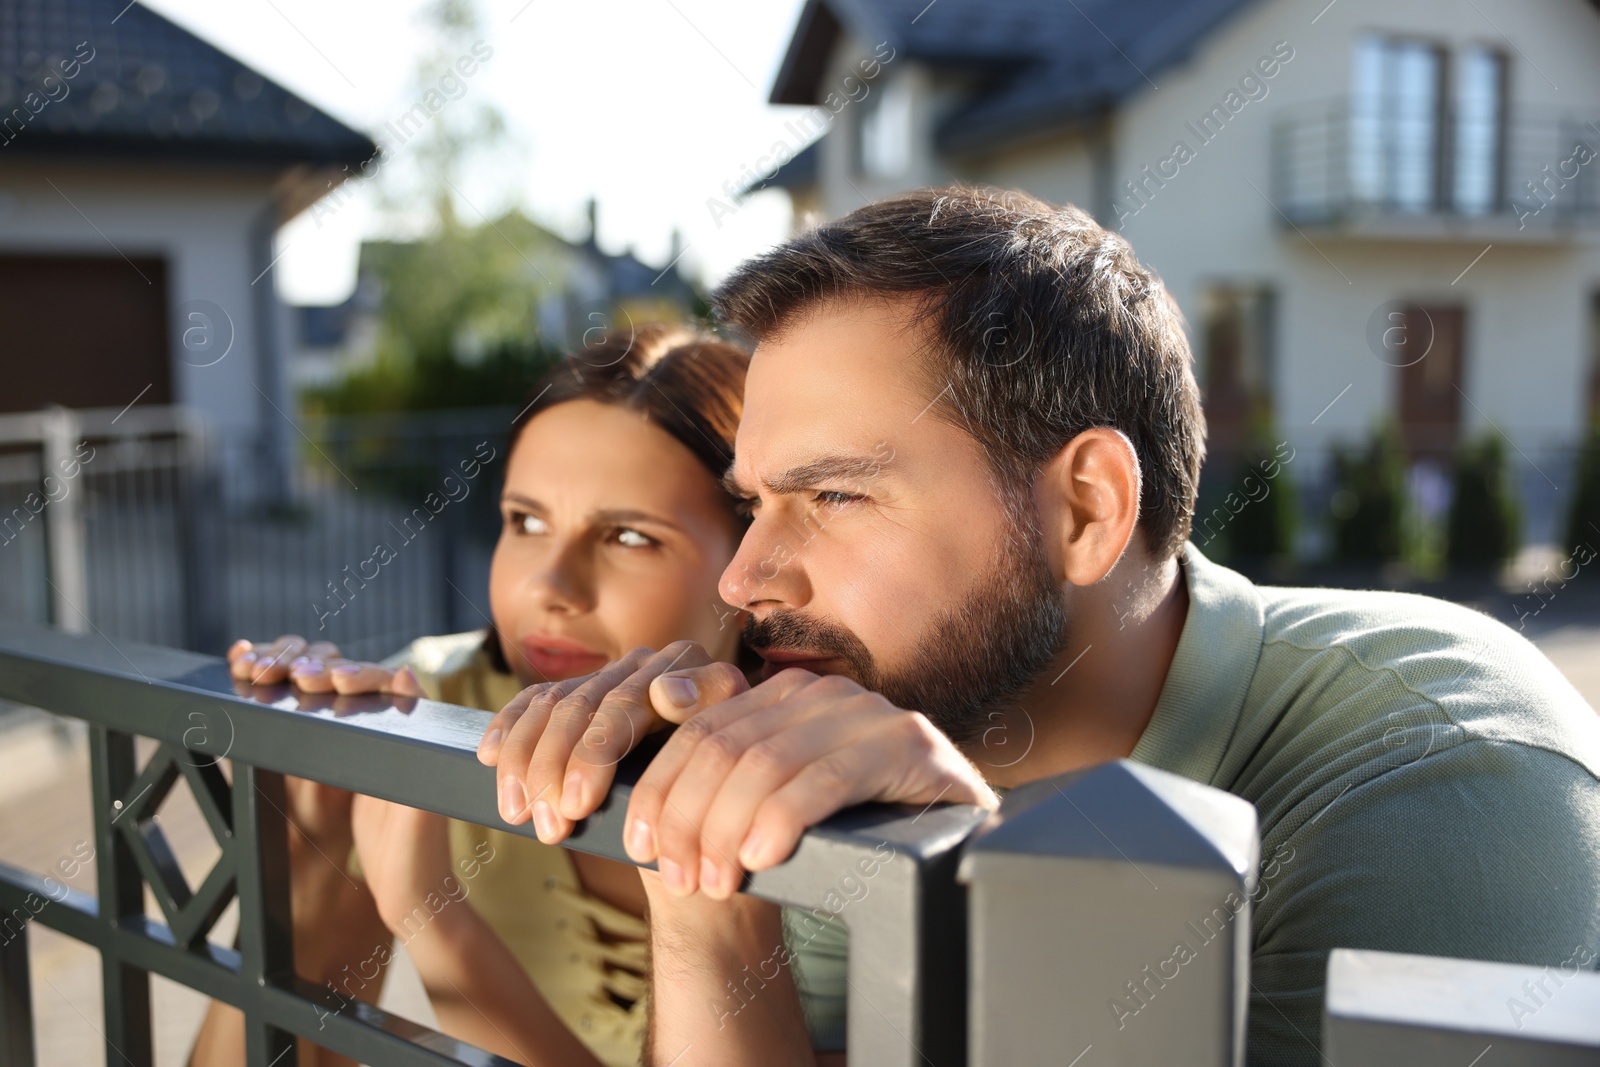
(494,735)
(680,694)
(632,710)
(521,738)
(902,764)
(621,686)
(640,833)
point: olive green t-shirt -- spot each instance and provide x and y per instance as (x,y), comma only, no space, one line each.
(1426,782)
(1426,779)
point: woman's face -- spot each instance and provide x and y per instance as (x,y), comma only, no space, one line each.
(614,536)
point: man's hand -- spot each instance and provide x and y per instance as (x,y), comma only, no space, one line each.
(557,744)
(740,781)
(744,776)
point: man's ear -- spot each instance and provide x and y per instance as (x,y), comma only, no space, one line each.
(1088,500)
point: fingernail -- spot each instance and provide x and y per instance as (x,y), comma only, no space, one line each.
(248,657)
(513,799)
(491,741)
(572,796)
(672,875)
(306,666)
(641,842)
(710,876)
(750,853)
(544,821)
(348,668)
(681,691)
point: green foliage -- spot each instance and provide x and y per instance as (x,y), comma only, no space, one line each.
(1583,514)
(1369,500)
(1482,530)
(1253,519)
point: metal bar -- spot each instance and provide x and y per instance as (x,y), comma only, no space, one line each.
(125,988)
(260,848)
(16,996)
(63,523)
(905,933)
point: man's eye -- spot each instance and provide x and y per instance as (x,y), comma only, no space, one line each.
(745,506)
(523,523)
(837,498)
(634,539)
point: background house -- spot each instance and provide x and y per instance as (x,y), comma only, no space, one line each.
(143,175)
(1367,211)
(568,289)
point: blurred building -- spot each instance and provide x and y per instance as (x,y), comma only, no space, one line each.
(1367,210)
(143,175)
(571,287)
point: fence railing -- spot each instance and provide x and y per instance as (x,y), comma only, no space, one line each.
(984,939)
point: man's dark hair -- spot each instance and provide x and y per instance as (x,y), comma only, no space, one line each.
(1044,325)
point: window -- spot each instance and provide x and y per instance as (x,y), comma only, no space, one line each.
(1394,122)
(1236,362)
(1479,131)
(884,128)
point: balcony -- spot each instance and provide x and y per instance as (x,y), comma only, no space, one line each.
(1379,169)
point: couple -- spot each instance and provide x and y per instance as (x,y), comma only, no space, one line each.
(962,481)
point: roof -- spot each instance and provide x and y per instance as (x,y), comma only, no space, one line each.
(136,84)
(799,172)
(1037,63)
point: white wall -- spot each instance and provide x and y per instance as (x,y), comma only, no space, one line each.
(201,223)
(1526,304)
(1526,334)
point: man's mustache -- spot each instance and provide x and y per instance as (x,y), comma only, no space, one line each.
(793,631)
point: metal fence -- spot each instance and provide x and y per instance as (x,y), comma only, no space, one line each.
(146,524)
(986,940)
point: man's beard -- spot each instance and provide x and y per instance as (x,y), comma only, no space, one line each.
(974,657)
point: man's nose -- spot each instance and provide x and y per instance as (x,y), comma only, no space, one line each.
(765,569)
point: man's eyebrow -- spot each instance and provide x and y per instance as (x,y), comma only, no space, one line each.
(845,467)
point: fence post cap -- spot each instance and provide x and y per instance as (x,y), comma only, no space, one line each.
(1121,812)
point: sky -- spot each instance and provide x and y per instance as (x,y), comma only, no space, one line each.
(650,106)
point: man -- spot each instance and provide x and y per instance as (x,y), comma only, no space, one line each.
(970,447)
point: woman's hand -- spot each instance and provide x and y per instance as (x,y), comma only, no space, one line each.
(316,667)
(405,856)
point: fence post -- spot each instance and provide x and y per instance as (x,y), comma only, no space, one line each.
(63,521)
(200,526)
(1386,1009)
(1109,909)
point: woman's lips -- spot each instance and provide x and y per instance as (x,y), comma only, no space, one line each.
(559,657)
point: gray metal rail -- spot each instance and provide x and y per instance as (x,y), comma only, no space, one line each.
(908,935)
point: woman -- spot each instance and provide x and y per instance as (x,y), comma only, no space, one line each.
(615,532)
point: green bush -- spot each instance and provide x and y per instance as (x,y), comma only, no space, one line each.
(1251,519)
(1483,526)
(1369,500)
(1583,515)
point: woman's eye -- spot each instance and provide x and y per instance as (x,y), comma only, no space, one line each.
(633,538)
(524,523)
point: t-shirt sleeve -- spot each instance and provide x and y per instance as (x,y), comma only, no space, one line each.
(1487,850)
(820,950)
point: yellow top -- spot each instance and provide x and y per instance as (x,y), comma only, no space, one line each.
(529,893)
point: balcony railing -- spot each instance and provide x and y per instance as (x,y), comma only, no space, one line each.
(984,940)
(1381,169)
